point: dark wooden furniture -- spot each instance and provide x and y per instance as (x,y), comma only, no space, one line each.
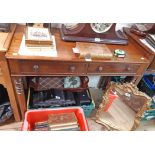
(66,63)
(151,54)
(5,80)
(94,32)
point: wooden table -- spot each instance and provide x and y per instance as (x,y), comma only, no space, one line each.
(67,64)
(5,80)
(136,38)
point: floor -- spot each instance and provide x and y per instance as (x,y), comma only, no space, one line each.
(93,126)
(96,94)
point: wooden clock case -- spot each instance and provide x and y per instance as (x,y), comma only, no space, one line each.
(83,32)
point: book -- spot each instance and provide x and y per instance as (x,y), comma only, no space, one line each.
(65,127)
(151,40)
(62,119)
(37,36)
(41,126)
(93,50)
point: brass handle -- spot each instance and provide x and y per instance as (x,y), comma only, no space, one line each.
(35,68)
(72,68)
(128,69)
(100,69)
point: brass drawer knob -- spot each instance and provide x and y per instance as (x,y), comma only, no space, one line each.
(35,68)
(100,69)
(129,69)
(72,68)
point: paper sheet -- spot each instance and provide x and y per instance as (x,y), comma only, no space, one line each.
(38,51)
(147,44)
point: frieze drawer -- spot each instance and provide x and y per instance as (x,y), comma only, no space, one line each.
(47,68)
(113,68)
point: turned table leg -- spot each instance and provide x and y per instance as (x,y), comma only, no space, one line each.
(19,88)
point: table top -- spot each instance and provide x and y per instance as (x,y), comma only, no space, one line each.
(5,38)
(134,52)
(137,39)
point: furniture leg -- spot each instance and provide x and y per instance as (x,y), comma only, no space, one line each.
(11,93)
(19,88)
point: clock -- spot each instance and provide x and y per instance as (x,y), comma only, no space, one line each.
(72,82)
(92,32)
(100,27)
(142,29)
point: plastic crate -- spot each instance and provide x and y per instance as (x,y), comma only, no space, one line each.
(149,83)
(88,108)
(145,87)
(148,115)
(33,116)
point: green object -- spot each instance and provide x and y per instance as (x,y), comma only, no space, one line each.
(119,52)
(144,87)
(148,115)
(118,78)
(88,108)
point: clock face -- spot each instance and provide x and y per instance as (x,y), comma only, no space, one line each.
(71,26)
(72,82)
(100,27)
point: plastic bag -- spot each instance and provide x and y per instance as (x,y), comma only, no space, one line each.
(5,112)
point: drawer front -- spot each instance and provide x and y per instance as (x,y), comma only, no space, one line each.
(113,68)
(47,68)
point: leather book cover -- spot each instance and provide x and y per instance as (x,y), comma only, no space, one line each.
(63,119)
(41,126)
(64,127)
(93,50)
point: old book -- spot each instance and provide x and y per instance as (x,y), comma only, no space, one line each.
(37,36)
(41,126)
(63,119)
(93,51)
(64,127)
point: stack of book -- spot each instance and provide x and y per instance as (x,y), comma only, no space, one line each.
(38,41)
(63,122)
(150,38)
(41,126)
(37,36)
(58,122)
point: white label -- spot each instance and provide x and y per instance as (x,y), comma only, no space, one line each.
(97,39)
(86,59)
(76,50)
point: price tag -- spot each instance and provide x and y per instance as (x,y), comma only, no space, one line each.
(97,39)
(75,50)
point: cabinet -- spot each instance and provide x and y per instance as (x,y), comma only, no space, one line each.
(66,63)
(5,79)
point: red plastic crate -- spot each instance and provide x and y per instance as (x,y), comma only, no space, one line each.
(33,116)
